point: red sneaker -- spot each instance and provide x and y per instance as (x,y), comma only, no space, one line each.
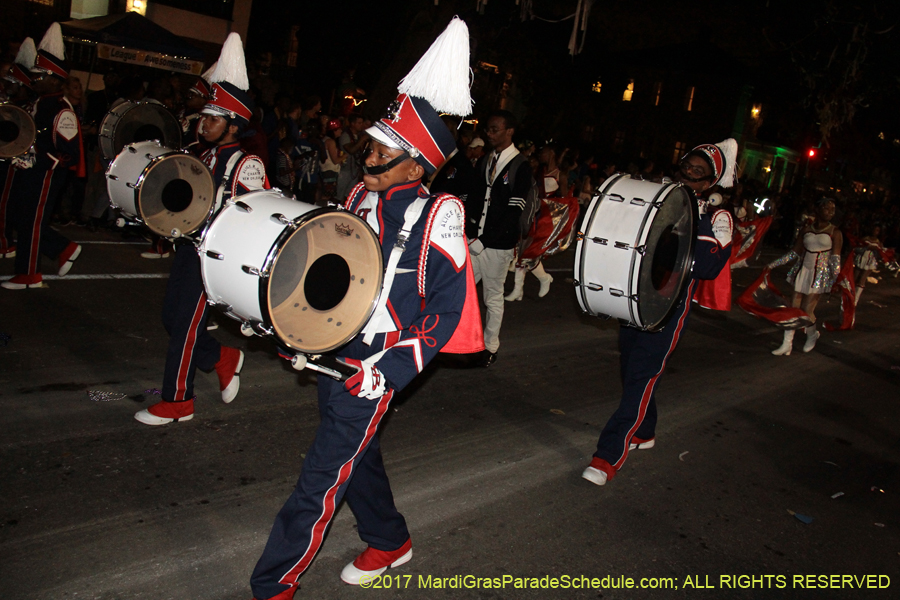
(164,412)
(599,471)
(231,361)
(67,257)
(20,282)
(372,563)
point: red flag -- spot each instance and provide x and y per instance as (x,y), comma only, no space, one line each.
(747,238)
(846,283)
(762,299)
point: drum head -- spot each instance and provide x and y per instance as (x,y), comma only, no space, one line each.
(175,191)
(144,122)
(324,282)
(668,259)
(16,131)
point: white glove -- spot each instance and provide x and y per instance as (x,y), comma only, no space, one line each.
(476,247)
(368,382)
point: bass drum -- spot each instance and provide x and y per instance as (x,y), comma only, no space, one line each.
(131,122)
(17,131)
(636,252)
(169,191)
(308,276)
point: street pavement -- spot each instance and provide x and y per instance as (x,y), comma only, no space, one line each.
(485,463)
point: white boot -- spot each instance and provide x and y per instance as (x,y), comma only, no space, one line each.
(859,291)
(545,278)
(517,292)
(812,334)
(786,345)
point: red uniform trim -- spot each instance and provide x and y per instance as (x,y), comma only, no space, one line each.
(187,351)
(648,389)
(328,502)
(34,251)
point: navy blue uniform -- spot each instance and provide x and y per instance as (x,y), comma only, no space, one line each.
(344,461)
(185,307)
(644,356)
(37,189)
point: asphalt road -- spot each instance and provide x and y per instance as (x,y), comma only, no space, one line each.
(485,463)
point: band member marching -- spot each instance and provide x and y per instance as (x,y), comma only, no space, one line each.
(185,307)
(17,88)
(427,305)
(58,148)
(644,354)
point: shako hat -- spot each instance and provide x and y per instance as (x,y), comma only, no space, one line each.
(438,83)
(51,54)
(722,157)
(19,73)
(229,97)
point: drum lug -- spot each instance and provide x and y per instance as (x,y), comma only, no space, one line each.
(280,218)
(132,150)
(222,306)
(594,287)
(642,250)
(623,246)
(131,185)
(250,270)
(243,206)
(597,240)
(615,197)
(113,177)
(638,201)
(215,255)
(616,293)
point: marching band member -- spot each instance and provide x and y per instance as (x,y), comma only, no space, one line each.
(58,148)
(423,308)
(185,307)
(819,245)
(644,354)
(17,86)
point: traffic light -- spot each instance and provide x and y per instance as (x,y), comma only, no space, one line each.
(812,152)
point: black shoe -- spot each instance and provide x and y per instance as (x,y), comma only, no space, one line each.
(486,358)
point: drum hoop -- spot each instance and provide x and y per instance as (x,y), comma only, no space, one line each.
(585,303)
(634,308)
(273,255)
(688,272)
(33,136)
(145,171)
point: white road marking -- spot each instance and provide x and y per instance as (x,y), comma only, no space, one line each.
(99,276)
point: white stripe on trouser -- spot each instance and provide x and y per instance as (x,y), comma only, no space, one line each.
(490,268)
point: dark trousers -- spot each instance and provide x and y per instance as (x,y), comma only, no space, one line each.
(643,360)
(344,462)
(34,197)
(7,215)
(184,316)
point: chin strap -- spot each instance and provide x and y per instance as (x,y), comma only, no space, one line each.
(379,169)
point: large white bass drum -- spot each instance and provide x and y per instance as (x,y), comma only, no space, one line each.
(307,275)
(636,252)
(132,122)
(169,191)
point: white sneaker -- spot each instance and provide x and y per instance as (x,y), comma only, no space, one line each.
(595,476)
(373,563)
(643,445)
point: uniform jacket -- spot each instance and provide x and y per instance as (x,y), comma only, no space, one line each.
(248,175)
(501,226)
(58,140)
(434,262)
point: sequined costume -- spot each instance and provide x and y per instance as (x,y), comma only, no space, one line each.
(812,275)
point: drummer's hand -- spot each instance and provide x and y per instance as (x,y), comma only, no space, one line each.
(368,382)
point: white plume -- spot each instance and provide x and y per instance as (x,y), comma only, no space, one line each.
(729,149)
(27,53)
(231,66)
(207,75)
(441,76)
(52,42)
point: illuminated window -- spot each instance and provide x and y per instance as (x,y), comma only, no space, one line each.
(680,151)
(689,98)
(44,2)
(754,112)
(629,90)
(657,91)
(597,87)
(881,136)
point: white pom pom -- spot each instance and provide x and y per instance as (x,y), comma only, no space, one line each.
(52,42)
(231,66)
(27,53)
(207,75)
(441,76)
(729,149)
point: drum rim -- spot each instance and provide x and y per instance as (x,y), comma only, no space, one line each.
(160,158)
(692,205)
(129,106)
(33,136)
(114,177)
(272,255)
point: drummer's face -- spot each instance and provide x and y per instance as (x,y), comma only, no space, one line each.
(694,168)
(408,170)
(212,127)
